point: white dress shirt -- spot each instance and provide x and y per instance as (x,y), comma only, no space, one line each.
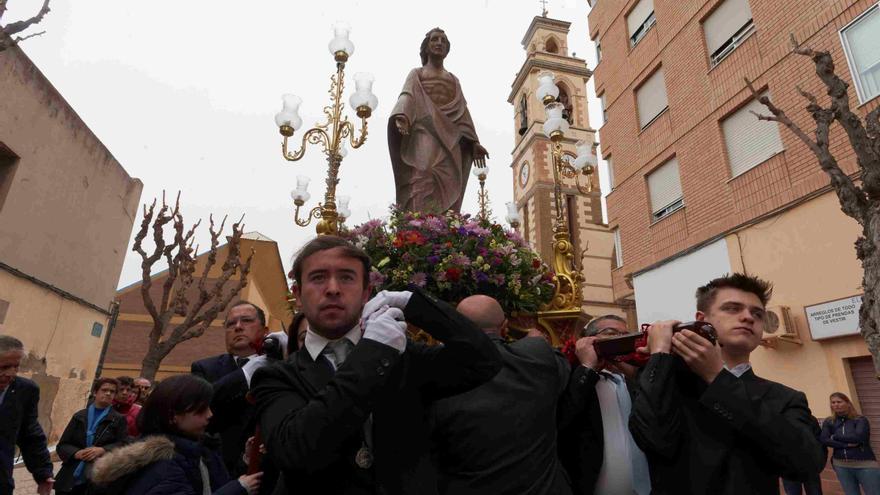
(315,343)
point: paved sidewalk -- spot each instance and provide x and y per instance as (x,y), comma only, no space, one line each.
(24,482)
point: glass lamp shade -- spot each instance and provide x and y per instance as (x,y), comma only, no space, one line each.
(301,192)
(342,206)
(289,114)
(554,121)
(343,151)
(478,171)
(512,213)
(363,95)
(585,156)
(340,41)
(546,86)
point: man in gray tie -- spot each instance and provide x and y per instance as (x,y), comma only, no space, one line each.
(345,414)
(595,443)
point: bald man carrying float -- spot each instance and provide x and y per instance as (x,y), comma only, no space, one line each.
(500,437)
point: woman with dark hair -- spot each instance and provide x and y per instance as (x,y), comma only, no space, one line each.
(849,434)
(89,435)
(172,458)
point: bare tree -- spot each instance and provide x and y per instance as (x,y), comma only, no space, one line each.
(196,299)
(858,201)
(9,31)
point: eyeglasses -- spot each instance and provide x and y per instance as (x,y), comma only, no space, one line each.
(610,332)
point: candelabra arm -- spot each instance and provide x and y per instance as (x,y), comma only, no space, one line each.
(304,222)
(362,138)
(312,136)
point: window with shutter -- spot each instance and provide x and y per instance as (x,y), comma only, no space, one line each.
(726,28)
(610,172)
(749,141)
(861,41)
(664,188)
(604,108)
(640,20)
(651,98)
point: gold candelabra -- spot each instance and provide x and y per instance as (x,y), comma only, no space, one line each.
(564,308)
(483,196)
(331,135)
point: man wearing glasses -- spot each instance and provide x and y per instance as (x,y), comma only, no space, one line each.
(595,444)
(143,387)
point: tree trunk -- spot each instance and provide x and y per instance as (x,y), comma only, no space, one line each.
(869,314)
(151,362)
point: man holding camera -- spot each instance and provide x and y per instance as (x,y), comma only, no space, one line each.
(595,444)
(230,374)
(707,423)
(345,414)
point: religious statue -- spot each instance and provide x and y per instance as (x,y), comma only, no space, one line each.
(431,137)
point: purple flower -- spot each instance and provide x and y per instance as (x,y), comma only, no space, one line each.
(376,278)
(419,279)
(433,259)
(436,224)
(482,277)
(498,278)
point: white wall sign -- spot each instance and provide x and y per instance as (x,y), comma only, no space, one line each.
(834,318)
(667,292)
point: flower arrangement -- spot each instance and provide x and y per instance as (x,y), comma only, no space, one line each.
(454,256)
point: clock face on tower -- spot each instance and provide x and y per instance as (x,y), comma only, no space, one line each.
(524,174)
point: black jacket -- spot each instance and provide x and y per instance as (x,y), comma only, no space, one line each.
(163,465)
(499,438)
(19,426)
(581,433)
(313,420)
(850,438)
(234,417)
(733,436)
(110,433)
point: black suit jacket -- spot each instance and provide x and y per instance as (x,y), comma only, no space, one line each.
(19,426)
(234,417)
(110,433)
(500,438)
(581,434)
(733,436)
(313,420)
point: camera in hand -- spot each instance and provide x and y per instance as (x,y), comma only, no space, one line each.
(622,348)
(271,348)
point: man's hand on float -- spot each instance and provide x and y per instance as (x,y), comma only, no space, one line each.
(402,124)
(586,353)
(392,299)
(703,358)
(659,337)
(387,326)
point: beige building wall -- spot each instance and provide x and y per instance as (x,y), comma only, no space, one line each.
(66,212)
(808,254)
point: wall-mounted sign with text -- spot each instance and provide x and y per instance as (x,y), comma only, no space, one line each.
(834,318)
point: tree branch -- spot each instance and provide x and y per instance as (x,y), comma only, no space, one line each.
(852,199)
(19,26)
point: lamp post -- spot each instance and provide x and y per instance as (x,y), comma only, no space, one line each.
(331,135)
(480,173)
(568,296)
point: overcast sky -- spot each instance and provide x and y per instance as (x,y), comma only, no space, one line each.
(183,93)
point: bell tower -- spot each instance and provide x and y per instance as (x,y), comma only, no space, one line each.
(546,46)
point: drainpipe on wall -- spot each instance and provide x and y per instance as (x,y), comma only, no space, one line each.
(114,313)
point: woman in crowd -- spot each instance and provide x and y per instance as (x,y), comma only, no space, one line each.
(91,433)
(172,457)
(125,404)
(848,433)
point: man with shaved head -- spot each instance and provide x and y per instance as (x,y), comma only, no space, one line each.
(500,437)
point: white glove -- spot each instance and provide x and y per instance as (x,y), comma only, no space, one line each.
(393,299)
(252,366)
(386,326)
(282,339)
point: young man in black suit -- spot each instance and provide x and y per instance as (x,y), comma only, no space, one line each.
(230,375)
(19,398)
(345,414)
(500,438)
(707,423)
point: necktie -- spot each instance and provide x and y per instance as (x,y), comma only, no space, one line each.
(240,362)
(337,352)
(641,476)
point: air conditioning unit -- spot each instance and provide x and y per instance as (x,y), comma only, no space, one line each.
(780,327)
